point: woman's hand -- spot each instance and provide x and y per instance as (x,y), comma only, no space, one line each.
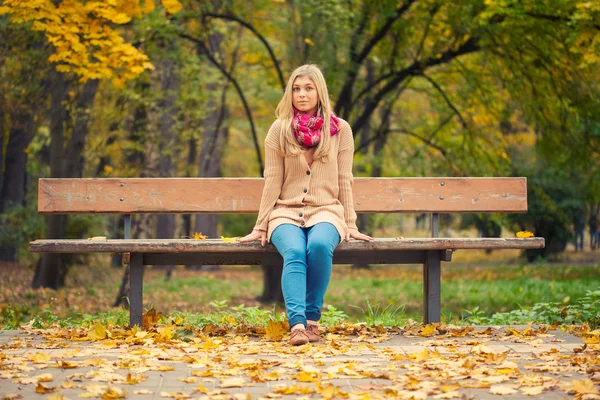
(355,234)
(255,235)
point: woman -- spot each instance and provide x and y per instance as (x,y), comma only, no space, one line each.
(306,207)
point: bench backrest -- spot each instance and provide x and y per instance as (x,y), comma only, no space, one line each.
(242,195)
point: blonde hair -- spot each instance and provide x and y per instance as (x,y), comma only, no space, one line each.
(285,112)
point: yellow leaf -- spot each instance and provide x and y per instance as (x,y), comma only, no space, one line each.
(175,395)
(150,318)
(132,380)
(502,389)
(201,389)
(309,42)
(307,376)
(585,386)
(293,390)
(142,391)
(275,331)
(172,6)
(56,396)
(428,330)
(229,239)
(524,234)
(149,6)
(113,393)
(40,358)
(199,236)
(98,332)
(532,390)
(67,385)
(232,382)
(67,365)
(43,389)
(190,379)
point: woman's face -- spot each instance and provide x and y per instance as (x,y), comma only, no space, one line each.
(304,95)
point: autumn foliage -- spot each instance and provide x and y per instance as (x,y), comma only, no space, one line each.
(85,34)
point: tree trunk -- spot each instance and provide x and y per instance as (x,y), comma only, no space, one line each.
(2,133)
(20,134)
(75,154)
(13,183)
(51,271)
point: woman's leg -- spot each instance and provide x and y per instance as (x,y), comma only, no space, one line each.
(290,241)
(323,238)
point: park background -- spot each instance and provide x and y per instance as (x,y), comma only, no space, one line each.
(135,88)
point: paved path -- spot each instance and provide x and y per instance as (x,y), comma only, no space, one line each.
(376,366)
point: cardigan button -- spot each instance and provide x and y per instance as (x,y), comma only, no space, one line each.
(300,215)
(305,190)
(302,223)
(307,172)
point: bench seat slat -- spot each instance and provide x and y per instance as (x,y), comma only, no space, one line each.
(242,195)
(218,246)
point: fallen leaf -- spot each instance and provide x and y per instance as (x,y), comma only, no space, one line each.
(200,236)
(232,382)
(532,390)
(150,318)
(524,234)
(229,239)
(67,385)
(502,389)
(97,238)
(11,396)
(428,330)
(293,390)
(175,395)
(132,380)
(43,389)
(40,358)
(142,391)
(275,330)
(585,386)
(113,393)
(190,379)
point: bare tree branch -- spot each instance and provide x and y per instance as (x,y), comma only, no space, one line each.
(202,49)
(416,68)
(356,60)
(259,36)
(439,89)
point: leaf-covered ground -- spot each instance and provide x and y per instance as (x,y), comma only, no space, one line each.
(493,283)
(175,360)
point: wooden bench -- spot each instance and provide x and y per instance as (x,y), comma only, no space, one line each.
(233,195)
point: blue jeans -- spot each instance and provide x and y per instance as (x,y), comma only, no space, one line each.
(307,257)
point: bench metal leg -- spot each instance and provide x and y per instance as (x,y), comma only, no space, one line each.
(136,281)
(431,287)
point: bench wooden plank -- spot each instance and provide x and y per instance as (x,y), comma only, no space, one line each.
(218,246)
(273,258)
(242,195)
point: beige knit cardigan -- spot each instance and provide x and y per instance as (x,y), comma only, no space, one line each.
(302,195)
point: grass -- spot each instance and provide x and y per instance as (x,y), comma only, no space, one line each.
(383,295)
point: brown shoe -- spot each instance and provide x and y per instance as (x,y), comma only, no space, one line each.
(312,331)
(298,337)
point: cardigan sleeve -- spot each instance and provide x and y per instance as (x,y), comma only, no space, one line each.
(345,177)
(274,168)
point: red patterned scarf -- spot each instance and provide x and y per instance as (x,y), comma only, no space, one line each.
(307,128)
